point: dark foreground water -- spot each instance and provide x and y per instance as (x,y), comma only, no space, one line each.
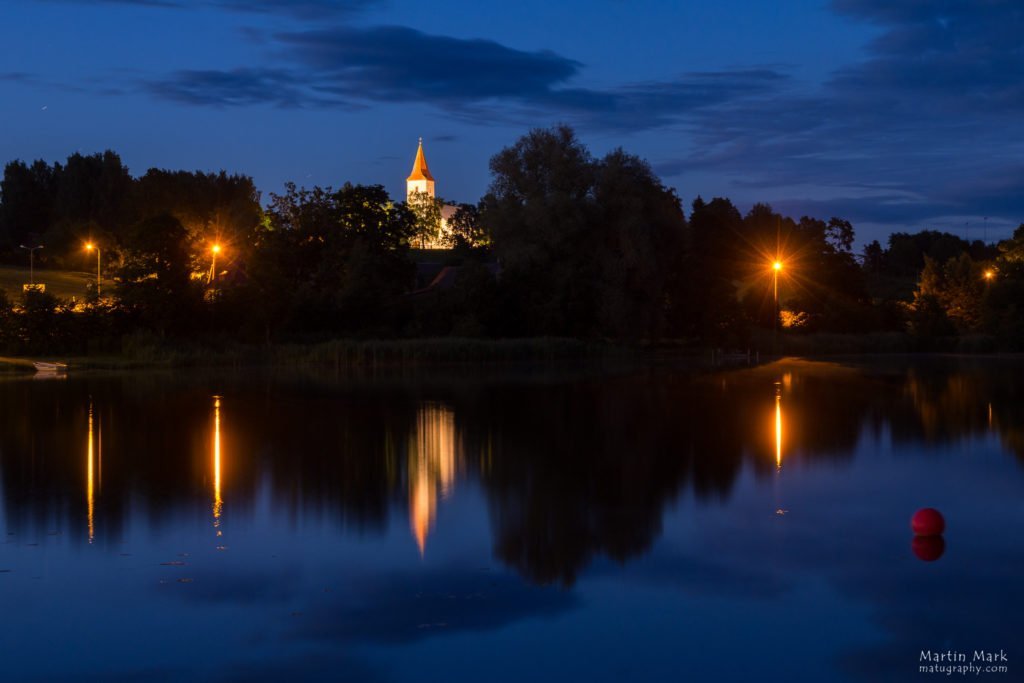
(743,526)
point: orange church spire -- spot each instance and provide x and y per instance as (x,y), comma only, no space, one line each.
(419,167)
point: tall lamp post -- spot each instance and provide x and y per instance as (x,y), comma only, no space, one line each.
(31,262)
(776,267)
(215,249)
(89,246)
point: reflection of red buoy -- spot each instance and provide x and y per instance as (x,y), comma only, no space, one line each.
(927,522)
(928,548)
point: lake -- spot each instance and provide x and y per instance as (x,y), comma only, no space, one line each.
(544,525)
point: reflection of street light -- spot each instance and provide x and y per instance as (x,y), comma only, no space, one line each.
(778,426)
(89,246)
(31,262)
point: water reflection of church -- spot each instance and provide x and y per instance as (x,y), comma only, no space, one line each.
(433,462)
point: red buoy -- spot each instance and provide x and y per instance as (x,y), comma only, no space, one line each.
(927,522)
(928,548)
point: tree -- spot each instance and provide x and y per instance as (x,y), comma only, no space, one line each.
(344,254)
(8,333)
(213,207)
(827,282)
(874,257)
(427,211)
(466,229)
(26,201)
(704,294)
(46,323)
(155,281)
(1012,250)
(840,234)
(638,242)
(92,200)
(956,287)
(585,245)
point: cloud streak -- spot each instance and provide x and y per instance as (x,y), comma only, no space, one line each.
(923,129)
(477,80)
(300,9)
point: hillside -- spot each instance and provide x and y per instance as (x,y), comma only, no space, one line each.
(61,283)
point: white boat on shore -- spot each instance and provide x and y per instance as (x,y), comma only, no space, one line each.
(50,368)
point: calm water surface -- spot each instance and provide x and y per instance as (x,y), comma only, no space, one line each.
(747,525)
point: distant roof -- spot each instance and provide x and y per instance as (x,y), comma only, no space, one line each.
(419,167)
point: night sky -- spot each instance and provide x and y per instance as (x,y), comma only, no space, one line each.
(896,114)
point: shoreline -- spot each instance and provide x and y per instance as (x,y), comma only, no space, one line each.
(434,353)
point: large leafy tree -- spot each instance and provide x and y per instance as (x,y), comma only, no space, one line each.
(155,282)
(427,211)
(213,207)
(956,288)
(344,255)
(704,294)
(585,244)
(466,230)
(26,201)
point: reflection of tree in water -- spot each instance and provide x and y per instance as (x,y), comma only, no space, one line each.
(588,468)
(577,470)
(572,469)
(981,397)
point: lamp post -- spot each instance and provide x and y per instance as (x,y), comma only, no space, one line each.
(31,262)
(215,249)
(776,267)
(989,275)
(89,246)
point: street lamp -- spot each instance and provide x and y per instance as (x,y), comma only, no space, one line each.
(776,267)
(31,262)
(989,275)
(215,249)
(89,246)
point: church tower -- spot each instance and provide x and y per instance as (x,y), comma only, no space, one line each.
(420,179)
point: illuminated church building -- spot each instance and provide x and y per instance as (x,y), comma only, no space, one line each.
(421,182)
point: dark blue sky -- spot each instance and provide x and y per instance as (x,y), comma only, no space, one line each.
(896,114)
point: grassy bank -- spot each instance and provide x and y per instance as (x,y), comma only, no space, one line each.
(344,354)
(9,364)
(349,353)
(355,354)
(64,284)
(822,344)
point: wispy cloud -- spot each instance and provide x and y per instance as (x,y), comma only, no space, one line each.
(925,127)
(302,9)
(236,87)
(479,80)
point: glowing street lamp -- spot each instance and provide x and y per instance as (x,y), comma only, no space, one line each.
(89,246)
(776,268)
(215,249)
(989,275)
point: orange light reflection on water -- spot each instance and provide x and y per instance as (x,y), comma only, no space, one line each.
(432,468)
(218,502)
(90,480)
(778,428)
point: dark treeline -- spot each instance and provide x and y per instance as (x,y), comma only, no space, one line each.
(563,244)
